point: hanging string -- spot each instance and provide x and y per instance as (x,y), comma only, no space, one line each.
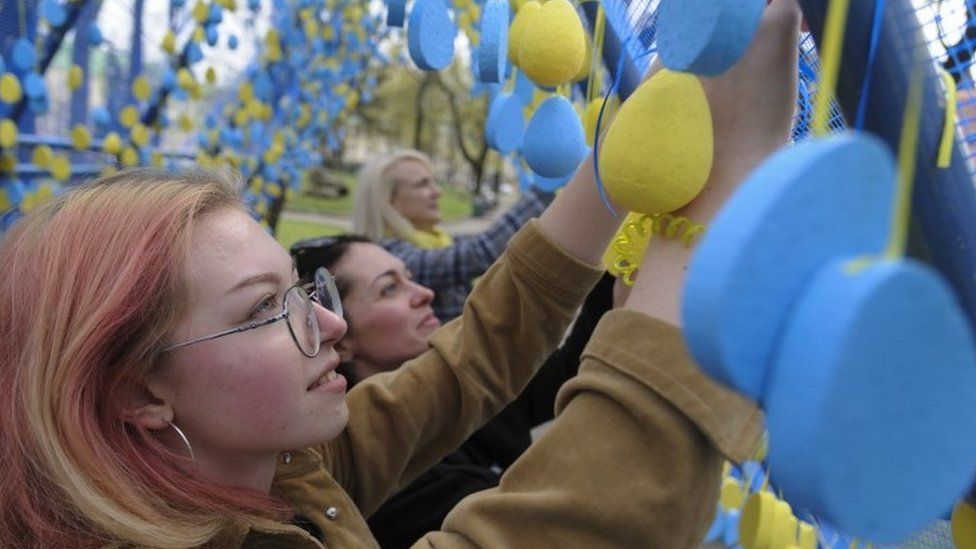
(599,122)
(869,71)
(595,81)
(830,62)
(944,158)
(907,153)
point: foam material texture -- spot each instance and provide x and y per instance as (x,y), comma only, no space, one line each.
(554,142)
(493,49)
(706,37)
(657,154)
(430,35)
(870,400)
(524,88)
(505,124)
(803,206)
(523,18)
(553,45)
(396,10)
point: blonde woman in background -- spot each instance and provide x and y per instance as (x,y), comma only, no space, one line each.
(397,205)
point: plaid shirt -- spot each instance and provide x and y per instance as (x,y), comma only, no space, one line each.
(450,271)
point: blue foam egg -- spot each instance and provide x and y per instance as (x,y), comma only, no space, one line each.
(168,81)
(16,191)
(395,12)
(193,53)
(554,142)
(95,37)
(53,12)
(493,49)
(24,55)
(101,117)
(216,14)
(177,3)
(254,5)
(552,184)
(34,87)
(524,88)
(8,219)
(430,35)
(211,34)
(802,206)
(232,42)
(706,36)
(731,534)
(717,528)
(870,399)
(505,125)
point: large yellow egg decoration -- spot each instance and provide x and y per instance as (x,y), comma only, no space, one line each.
(657,154)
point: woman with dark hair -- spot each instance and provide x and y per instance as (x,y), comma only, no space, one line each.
(390,321)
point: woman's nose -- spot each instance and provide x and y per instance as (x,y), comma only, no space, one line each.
(422,295)
(332,327)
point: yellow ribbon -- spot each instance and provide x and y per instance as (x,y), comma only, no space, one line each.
(833,45)
(944,159)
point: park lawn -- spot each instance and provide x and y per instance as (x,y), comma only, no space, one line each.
(455,203)
(291,231)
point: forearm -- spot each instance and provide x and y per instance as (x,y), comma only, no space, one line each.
(578,220)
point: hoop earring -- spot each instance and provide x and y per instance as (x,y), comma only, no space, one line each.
(184,439)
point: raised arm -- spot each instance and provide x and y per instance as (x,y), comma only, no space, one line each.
(470,255)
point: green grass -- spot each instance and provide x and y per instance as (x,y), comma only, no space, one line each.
(455,203)
(291,231)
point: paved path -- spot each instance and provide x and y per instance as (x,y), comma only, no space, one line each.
(466,225)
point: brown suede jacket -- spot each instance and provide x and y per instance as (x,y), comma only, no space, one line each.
(632,460)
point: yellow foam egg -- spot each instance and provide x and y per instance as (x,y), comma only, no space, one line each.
(129,116)
(60,168)
(211,75)
(584,70)
(8,161)
(553,44)
(523,17)
(75,77)
(139,135)
(201,12)
(806,536)
(658,152)
(184,78)
(41,156)
(140,88)
(80,137)
(8,133)
(10,91)
(732,494)
(112,143)
(157,159)
(756,521)
(169,42)
(964,526)
(186,123)
(5,202)
(129,157)
(784,525)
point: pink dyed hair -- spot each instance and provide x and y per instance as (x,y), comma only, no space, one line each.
(90,285)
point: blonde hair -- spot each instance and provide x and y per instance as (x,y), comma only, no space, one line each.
(91,284)
(373,214)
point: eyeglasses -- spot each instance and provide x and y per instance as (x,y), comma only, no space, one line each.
(299,312)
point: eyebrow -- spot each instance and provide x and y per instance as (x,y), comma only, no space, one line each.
(260,278)
(389,272)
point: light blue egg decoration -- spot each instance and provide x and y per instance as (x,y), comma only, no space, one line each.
(430,35)
(505,125)
(24,55)
(53,12)
(233,42)
(870,398)
(801,207)
(493,48)
(34,87)
(555,143)
(95,37)
(706,37)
